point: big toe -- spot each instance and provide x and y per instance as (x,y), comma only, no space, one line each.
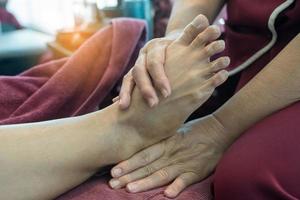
(199,24)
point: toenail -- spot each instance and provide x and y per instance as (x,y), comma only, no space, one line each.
(117,172)
(216,29)
(220,45)
(132,187)
(197,23)
(224,74)
(226,61)
(114,183)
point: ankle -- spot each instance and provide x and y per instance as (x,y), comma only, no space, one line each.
(122,137)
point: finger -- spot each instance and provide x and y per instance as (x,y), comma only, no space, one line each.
(138,174)
(211,33)
(213,49)
(155,65)
(191,31)
(140,159)
(143,81)
(116,99)
(126,91)
(159,178)
(181,183)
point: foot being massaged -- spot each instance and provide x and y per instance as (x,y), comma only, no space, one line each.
(249,143)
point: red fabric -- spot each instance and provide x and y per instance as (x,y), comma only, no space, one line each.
(8,18)
(263,163)
(97,188)
(247,32)
(76,85)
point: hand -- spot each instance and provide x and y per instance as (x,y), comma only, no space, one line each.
(185,158)
(149,73)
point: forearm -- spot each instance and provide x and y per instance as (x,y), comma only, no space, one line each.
(43,160)
(184,11)
(275,87)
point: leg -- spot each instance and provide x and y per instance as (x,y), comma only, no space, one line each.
(264,163)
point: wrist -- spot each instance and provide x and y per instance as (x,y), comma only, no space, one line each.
(111,123)
(214,129)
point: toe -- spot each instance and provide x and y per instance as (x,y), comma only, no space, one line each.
(215,66)
(219,64)
(209,34)
(190,32)
(218,79)
(213,49)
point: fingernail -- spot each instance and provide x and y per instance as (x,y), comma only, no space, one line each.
(117,172)
(152,102)
(165,93)
(170,194)
(132,187)
(114,183)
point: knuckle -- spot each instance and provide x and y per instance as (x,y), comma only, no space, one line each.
(160,82)
(215,67)
(200,38)
(135,71)
(146,91)
(207,51)
(145,158)
(153,62)
(154,42)
(127,77)
(188,30)
(149,170)
(163,174)
(125,179)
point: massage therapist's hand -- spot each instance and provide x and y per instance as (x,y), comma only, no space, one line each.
(184,159)
(148,74)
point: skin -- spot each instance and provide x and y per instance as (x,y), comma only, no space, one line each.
(154,53)
(43,160)
(207,139)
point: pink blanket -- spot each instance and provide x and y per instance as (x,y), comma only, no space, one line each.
(98,189)
(78,85)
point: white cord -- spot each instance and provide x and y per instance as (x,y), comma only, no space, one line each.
(271,25)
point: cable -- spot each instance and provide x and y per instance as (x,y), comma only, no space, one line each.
(271,25)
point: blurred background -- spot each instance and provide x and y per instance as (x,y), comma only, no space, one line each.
(36,31)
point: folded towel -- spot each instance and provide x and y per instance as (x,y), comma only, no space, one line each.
(76,85)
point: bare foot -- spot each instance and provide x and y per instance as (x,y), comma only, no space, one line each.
(193,79)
